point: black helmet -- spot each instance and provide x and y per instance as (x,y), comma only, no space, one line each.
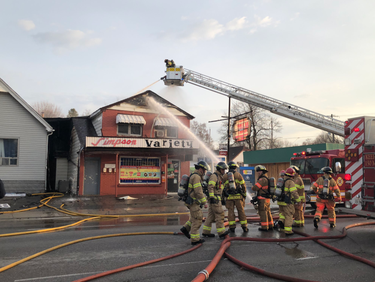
(232,165)
(296,168)
(202,164)
(261,168)
(327,169)
(221,165)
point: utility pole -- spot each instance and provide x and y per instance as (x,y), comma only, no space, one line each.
(271,133)
(228,133)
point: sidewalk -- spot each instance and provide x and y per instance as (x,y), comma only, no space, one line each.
(104,205)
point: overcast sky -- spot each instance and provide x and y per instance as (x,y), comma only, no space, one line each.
(319,55)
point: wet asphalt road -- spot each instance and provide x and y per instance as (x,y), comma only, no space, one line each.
(306,260)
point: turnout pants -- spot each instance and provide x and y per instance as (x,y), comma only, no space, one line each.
(264,209)
(299,218)
(215,214)
(330,205)
(286,216)
(239,204)
(194,222)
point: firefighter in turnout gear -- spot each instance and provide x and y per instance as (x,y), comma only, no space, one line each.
(286,202)
(235,191)
(299,219)
(195,191)
(264,198)
(215,208)
(324,188)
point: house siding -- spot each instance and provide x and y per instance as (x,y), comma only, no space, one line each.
(97,123)
(74,161)
(16,122)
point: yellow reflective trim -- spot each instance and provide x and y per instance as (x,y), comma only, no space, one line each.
(234,197)
(197,185)
(212,183)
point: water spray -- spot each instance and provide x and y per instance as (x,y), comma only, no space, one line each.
(159,107)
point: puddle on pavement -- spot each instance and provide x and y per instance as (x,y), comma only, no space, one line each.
(297,253)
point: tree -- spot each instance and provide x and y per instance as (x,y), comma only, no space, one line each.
(86,112)
(324,137)
(201,131)
(72,113)
(263,127)
(47,109)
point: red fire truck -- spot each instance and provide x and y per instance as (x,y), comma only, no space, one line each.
(354,167)
(311,163)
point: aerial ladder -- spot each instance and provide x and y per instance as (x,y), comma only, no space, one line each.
(177,76)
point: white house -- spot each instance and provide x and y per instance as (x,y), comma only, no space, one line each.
(23,144)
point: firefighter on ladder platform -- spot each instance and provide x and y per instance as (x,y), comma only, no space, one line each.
(236,195)
(299,219)
(264,198)
(215,207)
(324,188)
(198,199)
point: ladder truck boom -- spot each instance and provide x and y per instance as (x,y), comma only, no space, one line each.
(177,75)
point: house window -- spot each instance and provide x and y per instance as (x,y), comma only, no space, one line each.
(139,170)
(167,132)
(172,132)
(8,152)
(129,129)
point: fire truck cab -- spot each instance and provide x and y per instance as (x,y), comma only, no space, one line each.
(310,164)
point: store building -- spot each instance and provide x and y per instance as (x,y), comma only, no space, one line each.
(23,144)
(129,147)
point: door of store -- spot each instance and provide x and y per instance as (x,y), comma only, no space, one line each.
(173,175)
(91,182)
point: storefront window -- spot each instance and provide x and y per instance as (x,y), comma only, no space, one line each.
(139,170)
(8,152)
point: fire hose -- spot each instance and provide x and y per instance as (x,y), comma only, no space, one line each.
(203,275)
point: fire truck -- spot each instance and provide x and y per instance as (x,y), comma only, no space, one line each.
(354,167)
(310,164)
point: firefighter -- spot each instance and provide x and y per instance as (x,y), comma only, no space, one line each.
(215,208)
(235,198)
(299,219)
(169,63)
(264,198)
(195,191)
(324,188)
(287,201)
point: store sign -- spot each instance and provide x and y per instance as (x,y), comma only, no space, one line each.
(241,129)
(103,142)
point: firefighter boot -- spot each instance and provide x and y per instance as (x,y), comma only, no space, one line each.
(185,232)
(280,224)
(245,229)
(332,225)
(222,236)
(316,221)
(232,230)
(261,229)
(208,235)
(197,242)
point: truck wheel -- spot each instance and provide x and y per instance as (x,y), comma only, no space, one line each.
(313,205)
